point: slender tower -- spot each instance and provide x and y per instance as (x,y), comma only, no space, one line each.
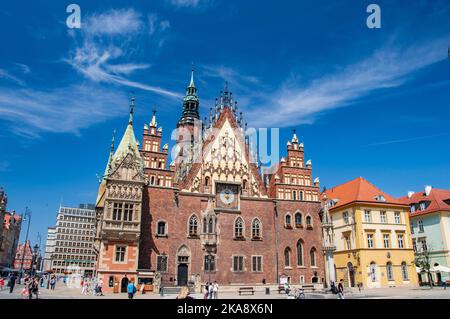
(328,246)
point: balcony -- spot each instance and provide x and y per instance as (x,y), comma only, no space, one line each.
(209,239)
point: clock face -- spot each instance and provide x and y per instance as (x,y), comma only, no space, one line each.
(227,196)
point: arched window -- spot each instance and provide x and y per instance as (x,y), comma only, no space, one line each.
(300,253)
(298,219)
(205,225)
(389,271)
(210,225)
(405,275)
(256,228)
(161,228)
(238,228)
(373,271)
(193,226)
(288,221)
(312,257)
(294,195)
(287,257)
(300,196)
(244,184)
(308,221)
(207,181)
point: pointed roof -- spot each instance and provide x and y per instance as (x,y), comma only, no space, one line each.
(191,84)
(128,143)
(439,201)
(358,190)
(111,153)
(153,123)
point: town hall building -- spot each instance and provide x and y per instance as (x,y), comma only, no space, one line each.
(209,214)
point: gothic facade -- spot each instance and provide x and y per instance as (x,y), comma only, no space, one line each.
(210,214)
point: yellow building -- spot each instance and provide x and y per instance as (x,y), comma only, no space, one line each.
(372,236)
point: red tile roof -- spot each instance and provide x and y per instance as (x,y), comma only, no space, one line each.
(436,199)
(358,190)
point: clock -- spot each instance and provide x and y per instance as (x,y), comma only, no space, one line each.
(227,196)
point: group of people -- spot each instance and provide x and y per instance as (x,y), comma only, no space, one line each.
(96,287)
(211,290)
(339,290)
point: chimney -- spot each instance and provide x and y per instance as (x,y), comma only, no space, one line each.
(427,190)
(410,193)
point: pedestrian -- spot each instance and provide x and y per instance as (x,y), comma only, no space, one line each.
(215,290)
(206,291)
(131,289)
(341,289)
(35,288)
(85,286)
(286,288)
(12,282)
(29,285)
(52,282)
(184,293)
(210,290)
(2,283)
(100,287)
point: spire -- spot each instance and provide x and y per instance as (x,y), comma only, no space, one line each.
(130,121)
(110,158)
(294,137)
(226,94)
(191,84)
(153,122)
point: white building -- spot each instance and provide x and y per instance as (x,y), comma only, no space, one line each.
(71,241)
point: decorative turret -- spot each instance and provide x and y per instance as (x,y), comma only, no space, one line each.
(190,104)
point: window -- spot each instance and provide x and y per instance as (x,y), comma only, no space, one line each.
(383,216)
(294,195)
(400,240)
(210,263)
(238,228)
(238,263)
(373,271)
(420,224)
(370,240)
(206,181)
(389,272)
(193,226)
(412,208)
(422,205)
(288,221)
(348,242)
(161,229)
(405,272)
(117,211)
(308,221)
(287,257)
(423,242)
(312,257)
(300,195)
(414,245)
(386,240)
(120,254)
(300,253)
(128,212)
(411,226)
(367,216)
(161,263)
(397,217)
(256,263)
(256,228)
(345,217)
(298,220)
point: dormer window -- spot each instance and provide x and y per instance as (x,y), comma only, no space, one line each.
(380,198)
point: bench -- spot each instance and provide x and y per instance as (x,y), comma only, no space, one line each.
(309,287)
(246,290)
(281,289)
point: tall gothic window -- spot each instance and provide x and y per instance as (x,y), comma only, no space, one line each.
(193,226)
(128,212)
(161,228)
(308,221)
(256,228)
(298,219)
(239,228)
(405,271)
(312,257)
(288,221)
(287,257)
(300,253)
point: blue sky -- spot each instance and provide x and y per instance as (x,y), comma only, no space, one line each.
(366,102)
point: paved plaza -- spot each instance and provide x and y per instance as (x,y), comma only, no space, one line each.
(63,292)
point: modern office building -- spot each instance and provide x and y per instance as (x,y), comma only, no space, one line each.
(49,249)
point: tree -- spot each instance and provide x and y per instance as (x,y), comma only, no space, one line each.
(423,261)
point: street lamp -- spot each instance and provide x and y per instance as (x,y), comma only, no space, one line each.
(27,214)
(34,260)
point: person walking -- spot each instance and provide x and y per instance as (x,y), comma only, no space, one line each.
(215,290)
(341,289)
(206,291)
(131,289)
(2,283)
(34,288)
(12,282)
(210,290)
(52,282)
(84,290)
(100,287)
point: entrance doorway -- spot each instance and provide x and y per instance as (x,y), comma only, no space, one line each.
(182,277)
(124,284)
(351,275)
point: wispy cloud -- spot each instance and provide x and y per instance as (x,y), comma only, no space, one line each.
(62,110)
(4,74)
(186,3)
(386,68)
(106,39)
(410,139)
